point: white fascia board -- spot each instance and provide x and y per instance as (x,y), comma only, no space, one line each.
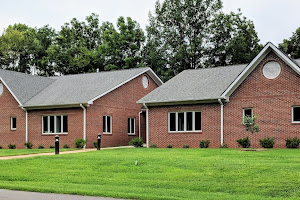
(158,81)
(20,104)
(251,66)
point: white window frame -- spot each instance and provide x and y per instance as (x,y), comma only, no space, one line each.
(185,122)
(62,125)
(249,108)
(131,118)
(106,124)
(11,123)
(294,122)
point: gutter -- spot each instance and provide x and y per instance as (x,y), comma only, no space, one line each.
(147,125)
(26,124)
(221,119)
(84,123)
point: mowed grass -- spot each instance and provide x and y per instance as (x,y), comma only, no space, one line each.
(15,152)
(160,174)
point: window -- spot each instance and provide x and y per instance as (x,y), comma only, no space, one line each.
(107,124)
(54,124)
(13,123)
(185,121)
(131,126)
(296,114)
(247,112)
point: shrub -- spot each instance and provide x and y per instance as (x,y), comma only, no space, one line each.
(250,124)
(267,142)
(95,144)
(51,146)
(136,142)
(153,146)
(11,146)
(204,143)
(79,143)
(170,146)
(292,143)
(186,146)
(28,145)
(41,147)
(244,142)
(66,146)
(224,146)
(0,147)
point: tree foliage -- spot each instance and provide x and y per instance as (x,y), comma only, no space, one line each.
(250,124)
(291,46)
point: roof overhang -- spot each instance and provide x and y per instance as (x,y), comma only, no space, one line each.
(61,106)
(187,102)
(149,71)
(252,65)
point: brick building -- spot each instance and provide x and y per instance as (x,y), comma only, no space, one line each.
(35,109)
(211,103)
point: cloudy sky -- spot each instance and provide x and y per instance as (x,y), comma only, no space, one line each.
(274,19)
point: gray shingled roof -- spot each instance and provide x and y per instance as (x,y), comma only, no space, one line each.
(24,86)
(194,85)
(80,88)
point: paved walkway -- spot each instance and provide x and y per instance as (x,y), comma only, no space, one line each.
(64,152)
(17,195)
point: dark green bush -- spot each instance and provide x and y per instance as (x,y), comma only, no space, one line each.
(267,142)
(11,146)
(95,144)
(204,143)
(170,146)
(244,142)
(28,145)
(153,146)
(185,146)
(41,147)
(136,142)
(224,146)
(79,143)
(292,143)
(51,146)
(66,146)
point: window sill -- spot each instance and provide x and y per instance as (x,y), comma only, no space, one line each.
(184,132)
(13,129)
(131,134)
(54,133)
(296,123)
(107,133)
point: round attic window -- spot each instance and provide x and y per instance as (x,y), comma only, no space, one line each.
(271,70)
(145,81)
(1,88)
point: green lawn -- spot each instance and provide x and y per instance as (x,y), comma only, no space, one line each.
(14,152)
(160,174)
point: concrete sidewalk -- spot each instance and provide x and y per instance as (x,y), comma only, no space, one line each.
(20,195)
(64,152)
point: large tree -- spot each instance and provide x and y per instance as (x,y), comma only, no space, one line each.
(189,34)
(292,45)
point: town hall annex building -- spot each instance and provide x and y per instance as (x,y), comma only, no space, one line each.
(200,104)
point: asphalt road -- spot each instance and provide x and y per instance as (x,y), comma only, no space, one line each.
(20,195)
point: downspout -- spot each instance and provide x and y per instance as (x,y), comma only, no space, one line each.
(140,123)
(84,123)
(222,118)
(26,124)
(147,126)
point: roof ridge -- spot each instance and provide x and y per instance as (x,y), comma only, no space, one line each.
(226,66)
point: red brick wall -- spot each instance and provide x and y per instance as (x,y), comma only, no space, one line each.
(158,126)
(120,104)
(10,107)
(272,102)
(75,127)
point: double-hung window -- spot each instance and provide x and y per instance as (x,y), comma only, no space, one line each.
(131,126)
(53,124)
(107,121)
(13,123)
(296,114)
(189,121)
(247,112)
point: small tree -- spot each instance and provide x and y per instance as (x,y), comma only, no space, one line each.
(249,123)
